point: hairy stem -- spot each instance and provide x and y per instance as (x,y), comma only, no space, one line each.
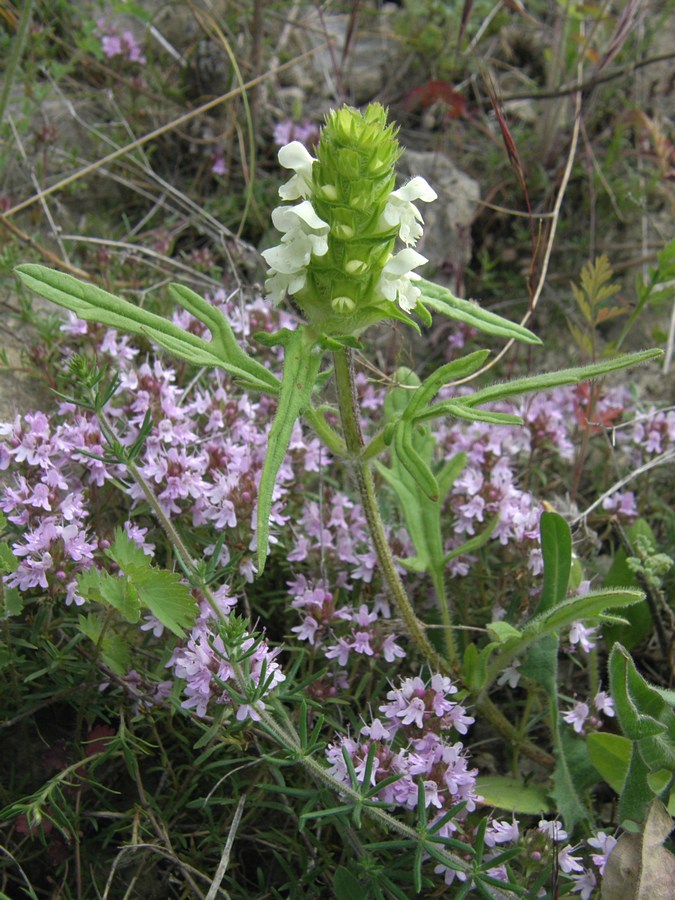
(349,413)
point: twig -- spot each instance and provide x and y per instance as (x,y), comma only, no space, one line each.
(225,857)
(549,244)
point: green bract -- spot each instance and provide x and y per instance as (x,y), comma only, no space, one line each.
(336,255)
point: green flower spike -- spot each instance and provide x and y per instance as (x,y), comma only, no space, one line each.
(336,256)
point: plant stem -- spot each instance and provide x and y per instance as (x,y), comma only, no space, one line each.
(351,427)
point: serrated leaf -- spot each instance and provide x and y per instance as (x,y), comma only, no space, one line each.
(13,602)
(8,562)
(301,367)
(167,598)
(115,591)
(610,754)
(513,794)
(113,648)
(125,552)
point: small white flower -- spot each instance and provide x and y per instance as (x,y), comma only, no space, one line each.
(396,280)
(296,156)
(303,234)
(510,675)
(401,212)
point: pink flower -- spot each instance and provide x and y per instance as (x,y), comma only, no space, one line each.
(576,717)
(580,634)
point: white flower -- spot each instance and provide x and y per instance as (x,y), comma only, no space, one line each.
(401,212)
(296,156)
(576,717)
(396,280)
(510,675)
(303,234)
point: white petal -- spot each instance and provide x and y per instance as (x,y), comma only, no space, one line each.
(290,256)
(289,218)
(296,156)
(416,189)
(403,262)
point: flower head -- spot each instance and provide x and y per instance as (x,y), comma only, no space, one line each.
(337,252)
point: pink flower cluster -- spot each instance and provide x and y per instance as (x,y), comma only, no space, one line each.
(205,665)
(411,742)
(115,44)
(306,132)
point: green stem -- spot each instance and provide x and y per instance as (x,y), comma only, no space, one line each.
(17,50)
(349,413)
(330,438)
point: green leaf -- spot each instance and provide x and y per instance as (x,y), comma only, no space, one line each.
(8,562)
(411,460)
(94,304)
(125,552)
(513,794)
(590,606)
(165,596)
(548,380)
(13,602)
(346,886)
(222,336)
(114,649)
(301,367)
(443,301)
(502,632)
(636,794)
(115,591)
(474,670)
(639,618)
(639,707)
(610,754)
(458,368)
(460,411)
(574,774)
(556,549)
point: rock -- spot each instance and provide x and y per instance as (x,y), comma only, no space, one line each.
(447,221)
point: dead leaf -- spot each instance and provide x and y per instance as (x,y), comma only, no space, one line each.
(640,867)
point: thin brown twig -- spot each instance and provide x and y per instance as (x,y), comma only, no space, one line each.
(549,244)
(591,82)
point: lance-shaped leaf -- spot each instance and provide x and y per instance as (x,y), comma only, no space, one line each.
(443,301)
(556,549)
(301,367)
(640,710)
(222,337)
(590,606)
(411,460)
(93,304)
(547,380)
